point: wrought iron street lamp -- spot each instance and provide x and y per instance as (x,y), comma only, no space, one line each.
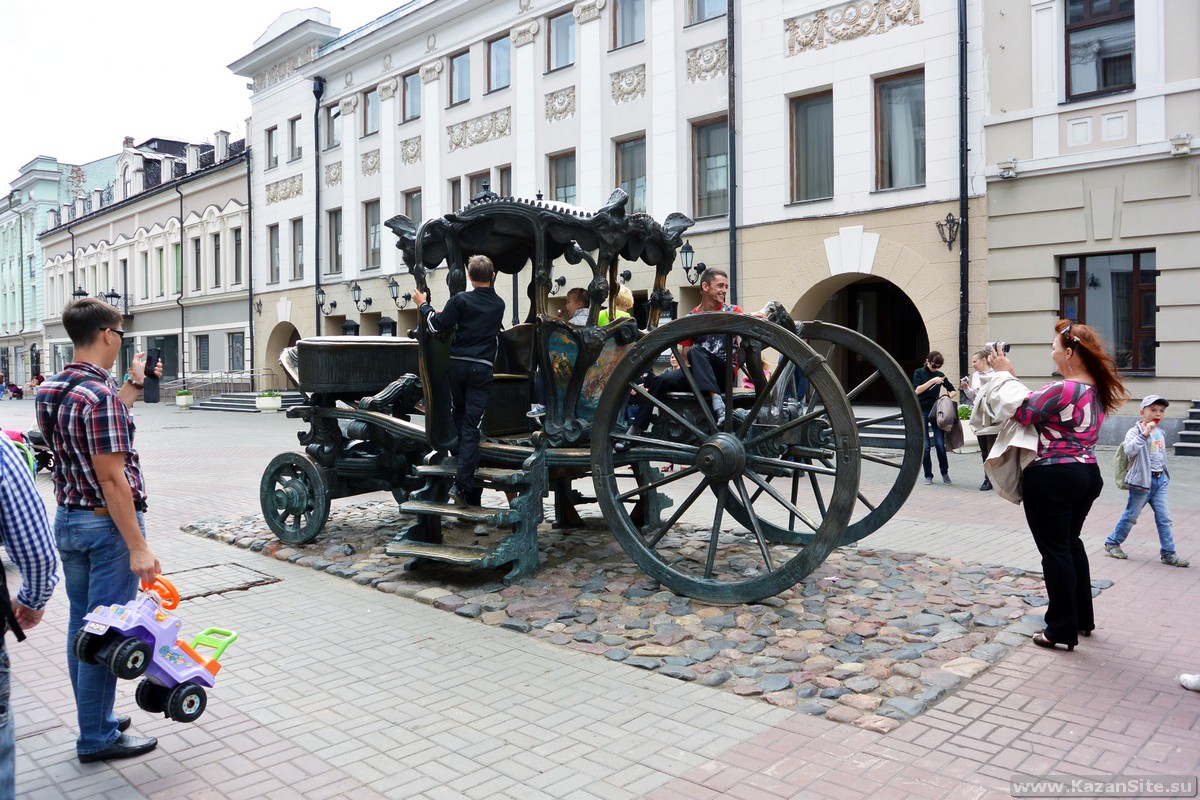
(321,303)
(356,295)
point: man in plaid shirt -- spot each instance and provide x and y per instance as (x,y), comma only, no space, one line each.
(25,533)
(101,496)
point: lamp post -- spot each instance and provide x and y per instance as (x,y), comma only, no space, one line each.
(688,254)
(394,291)
(321,302)
(356,295)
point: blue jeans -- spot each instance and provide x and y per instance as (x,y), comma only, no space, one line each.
(8,739)
(1157,498)
(95,563)
(938,442)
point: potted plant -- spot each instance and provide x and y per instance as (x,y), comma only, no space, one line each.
(268,401)
(183,398)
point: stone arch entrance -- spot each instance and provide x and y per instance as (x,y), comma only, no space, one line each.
(283,335)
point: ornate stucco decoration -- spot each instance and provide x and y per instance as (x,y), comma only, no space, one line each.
(370,163)
(387,89)
(826,27)
(430,43)
(410,150)
(524,34)
(349,79)
(285,189)
(333,173)
(387,62)
(588,10)
(560,104)
(629,84)
(524,5)
(349,104)
(479,130)
(282,70)
(707,62)
(431,71)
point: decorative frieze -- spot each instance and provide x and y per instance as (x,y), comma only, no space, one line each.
(829,26)
(524,34)
(285,189)
(370,163)
(431,71)
(487,128)
(560,104)
(588,10)
(283,70)
(410,150)
(333,173)
(349,104)
(629,84)
(707,62)
(387,89)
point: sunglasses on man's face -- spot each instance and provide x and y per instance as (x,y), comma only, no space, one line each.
(120,333)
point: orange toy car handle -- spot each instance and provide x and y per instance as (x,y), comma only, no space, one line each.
(165,589)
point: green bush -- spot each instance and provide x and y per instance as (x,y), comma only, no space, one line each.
(183,393)
(964,412)
(268,393)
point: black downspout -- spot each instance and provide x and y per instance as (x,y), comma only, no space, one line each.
(731,157)
(249,245)
(964,230)
(318,90)
(179,299)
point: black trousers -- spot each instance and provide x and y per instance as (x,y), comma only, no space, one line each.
(1057,498)
(470,388)
(708,371)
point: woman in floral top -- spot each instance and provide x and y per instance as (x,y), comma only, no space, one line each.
(1063,481)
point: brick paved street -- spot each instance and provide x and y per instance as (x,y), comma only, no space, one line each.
(335,690)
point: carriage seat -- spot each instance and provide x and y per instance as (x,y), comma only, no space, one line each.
(514,357)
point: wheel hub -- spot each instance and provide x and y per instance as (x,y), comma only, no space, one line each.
(722,457)
(291,497)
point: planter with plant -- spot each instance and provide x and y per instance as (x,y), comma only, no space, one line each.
(268,401)
(184,398)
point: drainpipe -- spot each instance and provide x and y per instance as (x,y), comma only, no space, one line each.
(731,157)
(318,90)
(179,299)
(250,261)
(964,231)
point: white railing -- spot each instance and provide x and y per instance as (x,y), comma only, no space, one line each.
(209,384)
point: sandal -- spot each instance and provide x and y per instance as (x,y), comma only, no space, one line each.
(1041,640)
(667,468)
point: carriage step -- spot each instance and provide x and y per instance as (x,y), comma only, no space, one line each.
(491,475)
(478,514)
(463,555)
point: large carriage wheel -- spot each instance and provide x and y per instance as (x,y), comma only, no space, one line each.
(294,498)
(718,468)
(878,499)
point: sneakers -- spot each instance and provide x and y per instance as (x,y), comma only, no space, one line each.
(536,411)
(718,407)
(986,486)
(929,480)
(458,497)
(1190,682)
(946,479)
(1175,561)
(1115,551)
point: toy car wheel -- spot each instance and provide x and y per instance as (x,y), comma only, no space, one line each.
(129,659)
(186,702)
(151,696)
(87,646)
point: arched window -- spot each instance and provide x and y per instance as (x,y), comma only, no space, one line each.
(127,181)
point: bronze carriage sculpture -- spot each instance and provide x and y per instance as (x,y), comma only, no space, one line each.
(783,471)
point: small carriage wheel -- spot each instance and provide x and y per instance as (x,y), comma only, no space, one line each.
(151,696)
(878,501)
(729,461)
(186,702)
(294,498)
(129,659)
(87,646)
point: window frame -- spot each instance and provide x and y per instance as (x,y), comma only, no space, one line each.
(698,128)
(1091,21)
(465,57)
(215,245)
(477,182)
(794,106)
(295,147)
(203,349)
(235,345)
(371,112)
(372,231)
(618,161)
(197,264)
(620,8)
(551,23)
(236,233)
(696,20)
(333,126)
(492,86)
(456,202)
(144,270)
(297,238)
(879,139)
(408,92)
(504,179)
(273,254)
(1139,330)
(272,136)
(414,197)
(553,169)
(335,263)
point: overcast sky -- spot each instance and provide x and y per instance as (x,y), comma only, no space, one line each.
(83,75)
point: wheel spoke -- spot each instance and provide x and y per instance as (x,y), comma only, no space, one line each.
(867,422)
(780,430)
(789,507)
(715,535)
(658,483)
(879,460)
(730,373)
(679,512)
(705,407)
(759,402)
(758,534)
(764,462)
(853,393)
(667,410)
(817,493)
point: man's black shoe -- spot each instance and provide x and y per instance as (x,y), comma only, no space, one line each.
(986,486)
(123,721)
(458,497)
(124,747)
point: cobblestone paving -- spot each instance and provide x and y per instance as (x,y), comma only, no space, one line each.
(872,637)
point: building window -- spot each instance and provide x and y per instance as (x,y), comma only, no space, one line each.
(237,351)
(629,22)
(333,125)
(272,148)
(710,143)
(197,260)
(412,206)
(216,260)
(371,227)
(631,171)
(202,352)
(499,63)
(273,253)
(562,178)
(455,194)
(178,253)
(237,256)
(295,149)
(1116,295)
(505,181)
(560,43)
(812,147)
(297,249)
(706,9)
(127,182)
(460,78)
(335,242)
(900,140)
(1100,47)
(371,112)
(412,96)
(145,274)
(480,182)
(160,259)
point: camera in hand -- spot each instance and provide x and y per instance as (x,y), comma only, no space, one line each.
(1002,346)
(150,387)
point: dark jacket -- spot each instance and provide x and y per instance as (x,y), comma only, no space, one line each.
(927,398)
(478,316)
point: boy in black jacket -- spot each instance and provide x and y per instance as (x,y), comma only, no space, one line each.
(478,316)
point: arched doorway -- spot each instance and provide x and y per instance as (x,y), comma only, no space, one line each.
(283,335)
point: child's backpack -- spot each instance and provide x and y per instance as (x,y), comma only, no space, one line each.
(1121,467)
